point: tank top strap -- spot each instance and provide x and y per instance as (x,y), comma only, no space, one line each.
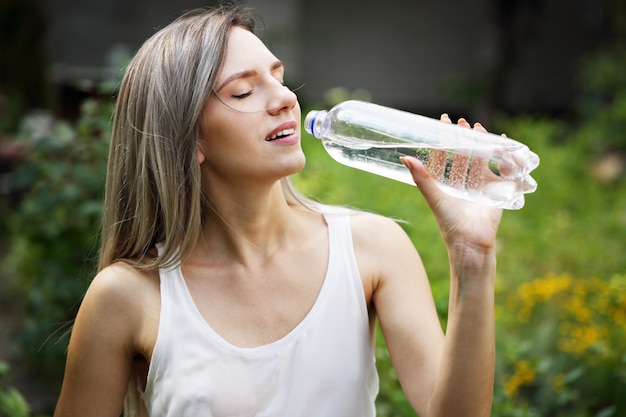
(343,254)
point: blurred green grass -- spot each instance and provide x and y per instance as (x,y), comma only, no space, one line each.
(575,223)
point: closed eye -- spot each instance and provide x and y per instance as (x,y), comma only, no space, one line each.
(242,96)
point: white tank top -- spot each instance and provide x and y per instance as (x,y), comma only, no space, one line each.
(324,367)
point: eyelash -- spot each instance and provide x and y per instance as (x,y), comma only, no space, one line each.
(242,96)
(249,93)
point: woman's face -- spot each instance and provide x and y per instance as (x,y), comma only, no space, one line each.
(250,129)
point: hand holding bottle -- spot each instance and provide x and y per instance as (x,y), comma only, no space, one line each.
(462,222)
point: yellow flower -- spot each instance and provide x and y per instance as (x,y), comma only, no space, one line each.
(524,375)
(578,339)
(589,313)
(540,291)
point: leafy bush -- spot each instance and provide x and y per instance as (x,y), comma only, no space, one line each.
(574,222)
(53,233)
(560,299)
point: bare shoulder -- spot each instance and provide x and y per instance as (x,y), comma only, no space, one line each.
(110,332)
(121,286)
(123,297)
(376,232)
(383,250)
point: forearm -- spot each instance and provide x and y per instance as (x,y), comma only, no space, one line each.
(464,385)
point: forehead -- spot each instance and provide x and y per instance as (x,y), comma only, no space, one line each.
(244,52)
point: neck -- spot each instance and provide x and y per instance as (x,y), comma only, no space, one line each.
(248,227)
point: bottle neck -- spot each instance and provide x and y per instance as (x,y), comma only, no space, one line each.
(314,123)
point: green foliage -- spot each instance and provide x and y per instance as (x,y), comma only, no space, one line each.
(603,101)
(12,403)
(53,234)
(560,297)
(574,223)
(561,346)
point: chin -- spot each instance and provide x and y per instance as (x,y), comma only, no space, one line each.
(295,165)
(301,164)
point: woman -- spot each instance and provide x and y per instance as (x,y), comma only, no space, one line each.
(222,293)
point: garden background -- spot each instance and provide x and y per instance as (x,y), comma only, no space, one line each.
(561,286)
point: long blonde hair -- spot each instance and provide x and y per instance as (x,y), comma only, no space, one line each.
(153,190)
(154,187)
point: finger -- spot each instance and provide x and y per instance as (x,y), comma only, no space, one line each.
(438,158)
(460,164)
(478,169)
(422,179)
(479,127)
(463,122)
(458,171)
(505,167)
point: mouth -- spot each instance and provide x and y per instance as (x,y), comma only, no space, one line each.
(281,134)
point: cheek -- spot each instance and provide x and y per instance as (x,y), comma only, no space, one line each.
(223,132)
(227,141)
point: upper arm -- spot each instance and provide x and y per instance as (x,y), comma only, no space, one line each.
(403,301)
(101,352)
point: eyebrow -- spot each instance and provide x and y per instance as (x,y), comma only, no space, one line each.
(248,73)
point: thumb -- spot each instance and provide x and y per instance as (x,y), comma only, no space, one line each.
(420,175)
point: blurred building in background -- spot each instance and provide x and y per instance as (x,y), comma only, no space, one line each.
(424,56)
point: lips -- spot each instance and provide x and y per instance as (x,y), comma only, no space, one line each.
(284,130)
(281,134)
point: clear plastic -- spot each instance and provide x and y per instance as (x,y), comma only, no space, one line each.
(466,163)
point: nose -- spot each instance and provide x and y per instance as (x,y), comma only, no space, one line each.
(281,98)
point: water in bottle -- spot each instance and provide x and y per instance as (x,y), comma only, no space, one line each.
(466,163)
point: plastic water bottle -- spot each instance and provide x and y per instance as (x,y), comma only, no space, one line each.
(466,163)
